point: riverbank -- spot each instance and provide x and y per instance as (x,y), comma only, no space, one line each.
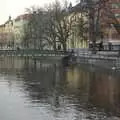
(104,59)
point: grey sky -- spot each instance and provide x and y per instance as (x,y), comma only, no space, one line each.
(17,7)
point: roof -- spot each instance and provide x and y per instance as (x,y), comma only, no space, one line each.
(23,17)
(76,8)
(3,25)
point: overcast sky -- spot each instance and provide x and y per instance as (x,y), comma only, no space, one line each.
(14,8)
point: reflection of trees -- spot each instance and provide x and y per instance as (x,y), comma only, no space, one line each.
(53,84)
(104,92)
(11,65)
(39,83)
(77,84)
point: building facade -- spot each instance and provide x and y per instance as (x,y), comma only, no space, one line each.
(78,39)
(106,20)
(12,32)
(3,38)
(19,24)
(9,33)
(110,22)
(6,34)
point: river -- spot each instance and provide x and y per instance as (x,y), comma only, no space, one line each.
(46,90)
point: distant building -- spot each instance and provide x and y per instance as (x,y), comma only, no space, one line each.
(3,36)
(108,26)
(19,24)
(6,34)
(110,22)
(76,40)
(12,32)
(9,33)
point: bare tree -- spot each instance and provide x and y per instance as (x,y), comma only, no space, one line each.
(60,23)
(35,27)
(82,27)
(50,26)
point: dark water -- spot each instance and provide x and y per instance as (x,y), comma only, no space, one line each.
(48,91)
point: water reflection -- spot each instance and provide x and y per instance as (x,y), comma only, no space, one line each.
(42,90)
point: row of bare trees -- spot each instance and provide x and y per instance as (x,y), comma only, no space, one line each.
(51,27)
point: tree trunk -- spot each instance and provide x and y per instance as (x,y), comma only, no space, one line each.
(92,35)
(54,45)
(64,46)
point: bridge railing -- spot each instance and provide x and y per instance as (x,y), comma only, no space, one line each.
(32,52)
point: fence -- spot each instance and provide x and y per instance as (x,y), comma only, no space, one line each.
(31,52)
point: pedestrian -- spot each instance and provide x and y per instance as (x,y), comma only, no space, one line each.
(110,46)
(101,47)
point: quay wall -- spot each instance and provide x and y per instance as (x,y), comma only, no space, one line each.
(108,60)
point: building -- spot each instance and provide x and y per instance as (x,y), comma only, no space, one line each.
(8,30)
(12,32)
(19,26)
(77,38)
(2,36)
(110,22)
(6,34)
(106,20)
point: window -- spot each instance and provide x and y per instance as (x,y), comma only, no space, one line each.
(117,15)
(116,5)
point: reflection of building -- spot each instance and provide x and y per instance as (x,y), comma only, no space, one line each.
(104,91)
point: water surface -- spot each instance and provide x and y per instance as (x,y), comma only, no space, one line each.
(46,90)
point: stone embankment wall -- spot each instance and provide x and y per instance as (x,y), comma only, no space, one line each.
(108,60)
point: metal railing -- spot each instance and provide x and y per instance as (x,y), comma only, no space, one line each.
(32,52)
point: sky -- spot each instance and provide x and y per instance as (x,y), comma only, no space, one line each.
(14,8)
